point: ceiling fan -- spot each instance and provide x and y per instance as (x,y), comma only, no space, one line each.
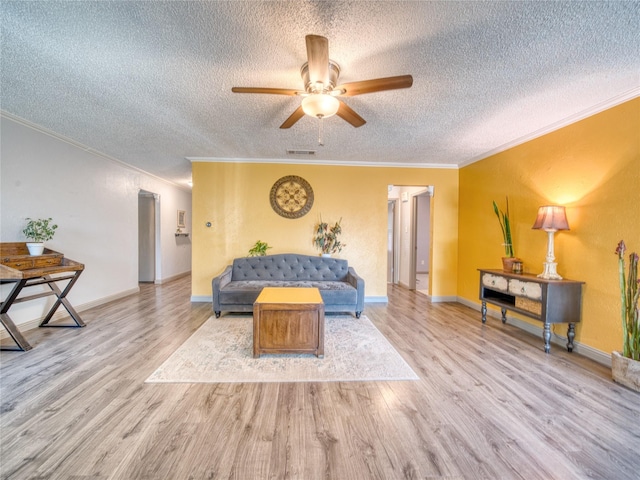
(320,76)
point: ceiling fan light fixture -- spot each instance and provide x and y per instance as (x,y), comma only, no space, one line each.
(320,105)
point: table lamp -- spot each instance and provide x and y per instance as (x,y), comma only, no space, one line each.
(551,218)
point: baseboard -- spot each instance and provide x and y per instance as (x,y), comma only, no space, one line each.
(380,299)
(442,298)
(160,281)
(201,298)
(62,313)
(584,350)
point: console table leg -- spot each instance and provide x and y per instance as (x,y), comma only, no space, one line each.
(484,312)
(504,314)
(571,334)
(546,334)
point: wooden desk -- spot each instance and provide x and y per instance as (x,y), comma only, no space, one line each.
(288,320)
(24,270)
(549,301)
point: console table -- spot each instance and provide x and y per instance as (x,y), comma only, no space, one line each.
(549,301)
(24,270)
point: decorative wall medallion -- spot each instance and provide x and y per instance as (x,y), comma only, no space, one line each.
(291,197)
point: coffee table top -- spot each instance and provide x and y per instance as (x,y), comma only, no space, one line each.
(289,295)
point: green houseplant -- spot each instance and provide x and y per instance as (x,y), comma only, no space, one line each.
(259,249)
(625,365)
(326,237)
(38,231)
(505,225)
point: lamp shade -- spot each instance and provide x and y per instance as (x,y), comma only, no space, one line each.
(551,218)
(320,105)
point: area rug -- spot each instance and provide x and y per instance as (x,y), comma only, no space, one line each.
(221,351)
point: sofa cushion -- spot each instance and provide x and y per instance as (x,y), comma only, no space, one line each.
(247,291)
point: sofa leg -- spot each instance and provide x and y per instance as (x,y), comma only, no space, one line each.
(358,314)
(217,314)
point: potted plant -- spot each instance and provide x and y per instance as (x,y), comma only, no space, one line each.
(326,238)
(38,231)
(625,365)
(259,249)
(505,225)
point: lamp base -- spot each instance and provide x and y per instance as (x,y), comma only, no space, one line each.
(550,271)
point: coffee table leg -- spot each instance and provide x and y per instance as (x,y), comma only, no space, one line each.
(320,313)
(256,331)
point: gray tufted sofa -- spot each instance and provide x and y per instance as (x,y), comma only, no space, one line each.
(238,287)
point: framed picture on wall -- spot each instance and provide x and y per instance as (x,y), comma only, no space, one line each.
(181,219)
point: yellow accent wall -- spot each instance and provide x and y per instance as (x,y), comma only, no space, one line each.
(234,197)
(593,168)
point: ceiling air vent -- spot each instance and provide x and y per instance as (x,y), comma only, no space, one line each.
(300,152)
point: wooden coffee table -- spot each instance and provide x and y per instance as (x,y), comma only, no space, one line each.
(288,320)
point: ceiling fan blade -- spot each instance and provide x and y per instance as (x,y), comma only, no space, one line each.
(318,59)
(347,113)
(375,85)
(273,91)
(293,118)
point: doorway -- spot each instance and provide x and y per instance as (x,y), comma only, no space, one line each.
(409,245)
(392,241)
(422,243)
(146,236)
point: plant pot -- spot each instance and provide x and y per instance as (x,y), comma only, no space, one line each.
(625,371)
(507,263)
(35,248)
(325,255)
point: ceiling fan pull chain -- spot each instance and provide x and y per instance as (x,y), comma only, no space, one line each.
(320,130)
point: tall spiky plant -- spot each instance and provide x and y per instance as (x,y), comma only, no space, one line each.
(629,294)
(505,225)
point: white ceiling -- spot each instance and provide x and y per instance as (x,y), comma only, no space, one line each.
(149,83)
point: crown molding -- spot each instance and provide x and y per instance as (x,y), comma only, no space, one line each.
(589,112)
(334,163)
(85,148)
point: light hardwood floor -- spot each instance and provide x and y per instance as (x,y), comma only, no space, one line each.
(490,404)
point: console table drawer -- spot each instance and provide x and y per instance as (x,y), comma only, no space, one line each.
(526,289)
(495,282)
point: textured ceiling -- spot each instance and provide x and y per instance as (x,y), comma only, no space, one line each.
(149,83)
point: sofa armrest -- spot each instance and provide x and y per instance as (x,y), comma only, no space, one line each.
(217,284)
(358,283)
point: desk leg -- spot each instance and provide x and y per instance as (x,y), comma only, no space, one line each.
(62,300)
(484,312)
(6,321)
(14,332)
(571,334)
(546,335)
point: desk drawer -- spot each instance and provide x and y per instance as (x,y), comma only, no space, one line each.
(22,264)
(27,262)
(47,261)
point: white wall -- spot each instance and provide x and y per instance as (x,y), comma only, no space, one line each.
(423,234)
(94,201)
